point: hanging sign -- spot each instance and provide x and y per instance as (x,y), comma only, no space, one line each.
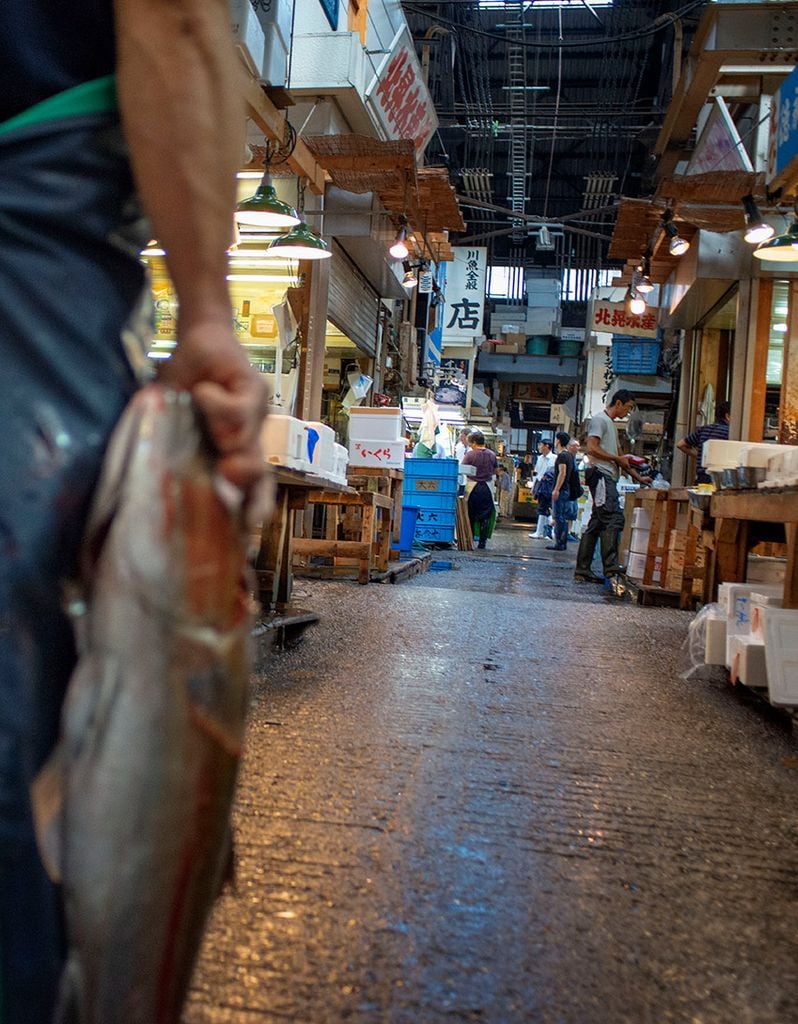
(425,279)
(719,147)
(398,96)
(464,307)
(783,148)
(613,318)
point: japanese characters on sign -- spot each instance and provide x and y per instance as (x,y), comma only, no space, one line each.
(465,294)
(399,97)
(613,318)
(783,148)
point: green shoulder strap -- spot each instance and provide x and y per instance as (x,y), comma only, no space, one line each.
(95,97)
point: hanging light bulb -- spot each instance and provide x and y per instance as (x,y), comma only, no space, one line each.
(644,283)
(677,245)
(757,231)
(399,250)
(635,304)
(410,280)
(782,248)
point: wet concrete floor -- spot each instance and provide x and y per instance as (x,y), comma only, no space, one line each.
(487,794)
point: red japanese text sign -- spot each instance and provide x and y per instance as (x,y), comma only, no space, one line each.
(398,96)
(613,318)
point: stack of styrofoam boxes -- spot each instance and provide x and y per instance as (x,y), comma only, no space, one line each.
(782,468)
(743,660)
(543,302)
(780,634)
(638,547)
(275,19)
(341,461)
(507,319)
(249,34)
(320,441)
(284,442)
(375,437)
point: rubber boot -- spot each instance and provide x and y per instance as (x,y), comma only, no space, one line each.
(609,552)
(540,529)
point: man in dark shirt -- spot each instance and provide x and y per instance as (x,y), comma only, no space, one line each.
(693,444)
(561,495)
(99,101)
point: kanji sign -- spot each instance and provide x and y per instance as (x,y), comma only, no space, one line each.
(783,149)
(613,318)
(465,294)
(398,95)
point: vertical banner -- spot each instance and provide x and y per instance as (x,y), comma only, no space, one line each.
(464,308)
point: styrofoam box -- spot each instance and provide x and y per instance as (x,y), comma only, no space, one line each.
(715,640)
(781,655)
(389,454)
(367,424)
(728,591)
(748,664)
(641,518)
(639,541)
(341,456)
(636,567)
(321,452)
(759,602)
(284,442)
(248,33)
(719,454)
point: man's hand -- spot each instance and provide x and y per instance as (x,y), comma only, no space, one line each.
(231,395)
(555,494)
(645,480)
(623,462)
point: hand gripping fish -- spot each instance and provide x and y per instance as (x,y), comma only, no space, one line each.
(134,806)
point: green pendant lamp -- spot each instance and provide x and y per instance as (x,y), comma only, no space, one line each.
(782,248)
(265,210)
(300,243)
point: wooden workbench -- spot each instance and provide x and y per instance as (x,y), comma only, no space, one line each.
(273,567)
(743,518)
(389,482)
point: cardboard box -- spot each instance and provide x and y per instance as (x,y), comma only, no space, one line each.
(516,338)
(388,454)
(507,348)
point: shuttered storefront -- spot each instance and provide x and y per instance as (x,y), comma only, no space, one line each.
(353,305)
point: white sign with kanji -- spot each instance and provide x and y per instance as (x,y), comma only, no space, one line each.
(465,294)
(398,96)
(613,318)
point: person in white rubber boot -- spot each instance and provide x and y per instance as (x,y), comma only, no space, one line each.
(544,484)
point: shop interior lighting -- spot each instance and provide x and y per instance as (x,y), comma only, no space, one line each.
(153,249)
(677,246)
(644,284)
(781,248)
(300,243)
(635,304)
(410,280)
(266,278)
(757,231)
(399,250)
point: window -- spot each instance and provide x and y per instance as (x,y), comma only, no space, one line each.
(565,5)
(577,285)
(505,282)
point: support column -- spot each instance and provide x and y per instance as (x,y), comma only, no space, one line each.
(313,326)
(739,358)
(756,368)
(788,416)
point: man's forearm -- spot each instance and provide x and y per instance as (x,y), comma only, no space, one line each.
(183,116)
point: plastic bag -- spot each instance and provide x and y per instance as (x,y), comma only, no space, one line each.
(696,640)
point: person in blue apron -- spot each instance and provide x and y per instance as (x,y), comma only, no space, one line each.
(98,102)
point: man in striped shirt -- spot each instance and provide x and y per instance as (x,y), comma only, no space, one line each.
(693,444)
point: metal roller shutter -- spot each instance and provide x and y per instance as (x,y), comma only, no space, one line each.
(353,305)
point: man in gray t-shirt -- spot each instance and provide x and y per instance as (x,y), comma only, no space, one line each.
(601,476)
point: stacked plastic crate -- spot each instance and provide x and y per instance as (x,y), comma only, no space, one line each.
(431,487)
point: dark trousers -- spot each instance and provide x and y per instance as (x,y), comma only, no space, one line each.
(606,524)
(480,509)
(562,515)
(68,284)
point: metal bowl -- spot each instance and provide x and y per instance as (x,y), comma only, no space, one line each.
(716,476)
(700,499)
(728,479)
(750,476)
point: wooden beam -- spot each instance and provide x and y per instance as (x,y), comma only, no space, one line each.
(365,163)
(755,428)
(788,406)
(271,122)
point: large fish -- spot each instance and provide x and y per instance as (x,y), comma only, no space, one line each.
(134,806)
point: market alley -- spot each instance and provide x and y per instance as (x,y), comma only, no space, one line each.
(487,794)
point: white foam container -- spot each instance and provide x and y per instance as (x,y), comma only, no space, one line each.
(718,454)
(321,454)
(283,441)
(340,463)
(375,424)
(376,452)
(760,602)
(748,664)
(641,519)
(781,654)
(639,541)
(636,567)
(715,639)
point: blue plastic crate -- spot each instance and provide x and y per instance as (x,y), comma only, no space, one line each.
(436,517)
(434,533)
(430,500)
(634,355)
(435,469)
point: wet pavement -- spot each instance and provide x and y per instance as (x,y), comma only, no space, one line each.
(487,794)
